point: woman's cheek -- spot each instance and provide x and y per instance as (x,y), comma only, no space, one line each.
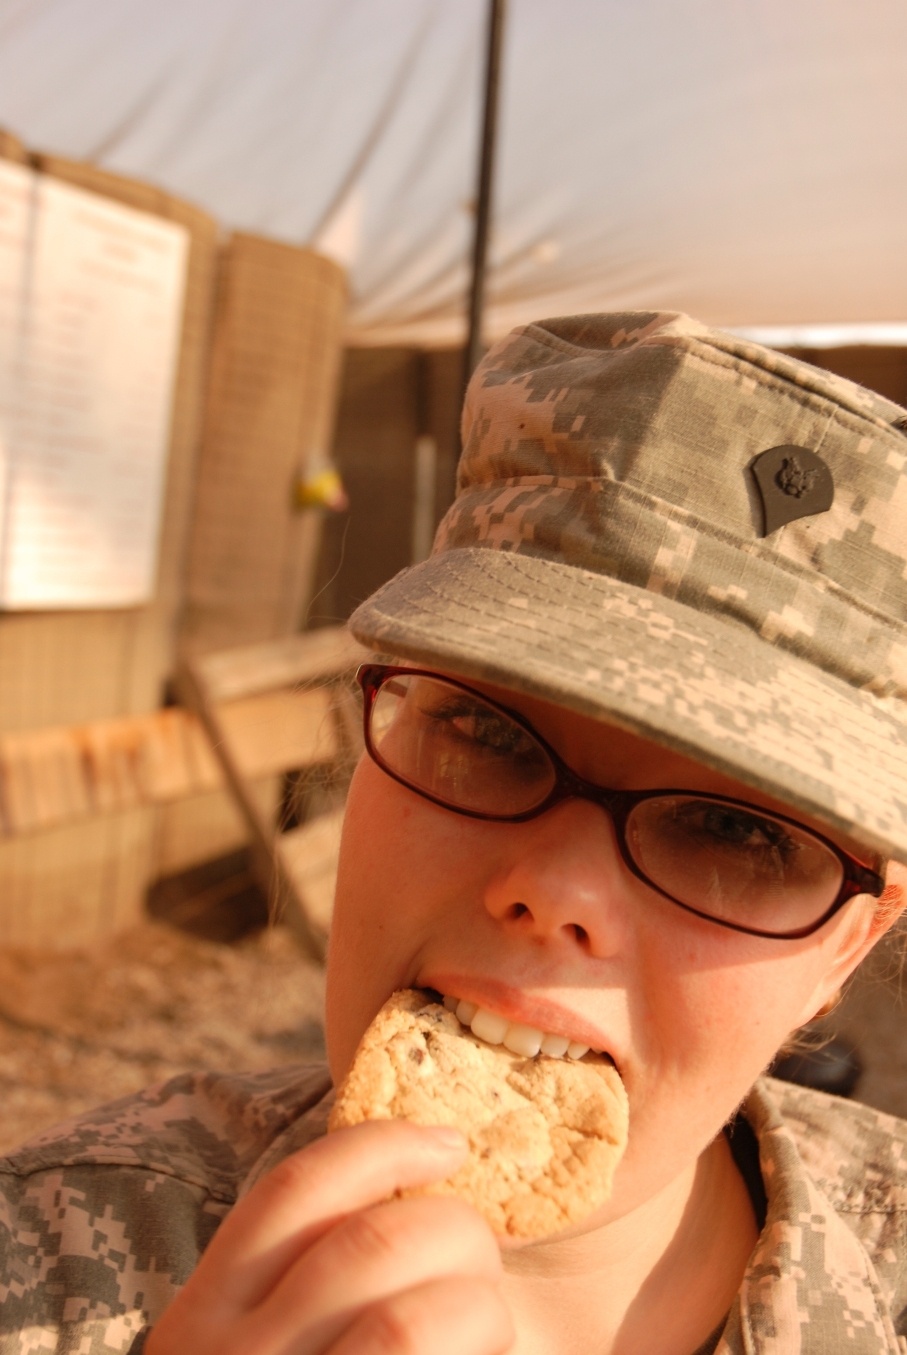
(357,914)
(382,906)
(728,1007)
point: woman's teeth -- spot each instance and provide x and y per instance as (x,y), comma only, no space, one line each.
(519,1039)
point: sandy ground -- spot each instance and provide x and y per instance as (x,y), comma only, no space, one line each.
(85,1026)
(81,1027)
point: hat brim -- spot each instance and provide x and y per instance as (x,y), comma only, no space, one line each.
(710,689)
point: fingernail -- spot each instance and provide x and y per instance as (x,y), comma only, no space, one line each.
(448,1137)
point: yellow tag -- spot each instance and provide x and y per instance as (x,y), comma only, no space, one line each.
(323,489)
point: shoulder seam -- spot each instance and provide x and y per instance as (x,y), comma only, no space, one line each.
(219,1192)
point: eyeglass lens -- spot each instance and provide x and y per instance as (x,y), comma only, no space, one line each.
(726,860)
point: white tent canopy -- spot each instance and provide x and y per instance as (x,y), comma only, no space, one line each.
(739,159)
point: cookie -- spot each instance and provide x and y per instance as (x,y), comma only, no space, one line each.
(545,1134)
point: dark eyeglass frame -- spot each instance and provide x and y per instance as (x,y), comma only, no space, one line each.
(858,877)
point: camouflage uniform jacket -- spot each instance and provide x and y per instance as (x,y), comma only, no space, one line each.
(104,1219)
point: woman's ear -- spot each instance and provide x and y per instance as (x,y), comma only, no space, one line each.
(884,911)
(865,923)
(893,899)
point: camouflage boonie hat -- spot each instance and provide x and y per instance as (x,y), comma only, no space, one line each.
(621,544)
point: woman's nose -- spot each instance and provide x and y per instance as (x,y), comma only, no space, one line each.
(562,878)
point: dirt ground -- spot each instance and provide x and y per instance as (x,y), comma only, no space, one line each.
(85,1026)
(81,1027)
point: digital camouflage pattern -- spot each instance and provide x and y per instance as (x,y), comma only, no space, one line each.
(829,1273)
(606,549)
(103,1220)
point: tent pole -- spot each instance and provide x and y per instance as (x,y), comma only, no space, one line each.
(496,13)
(473,351)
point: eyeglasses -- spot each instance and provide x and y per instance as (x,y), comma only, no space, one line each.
(726,860)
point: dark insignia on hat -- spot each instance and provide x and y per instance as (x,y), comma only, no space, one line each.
(793,479)
(793,483)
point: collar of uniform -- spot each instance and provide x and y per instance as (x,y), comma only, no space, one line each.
(813,1283)
(310,1125)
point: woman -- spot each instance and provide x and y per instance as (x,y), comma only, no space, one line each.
(635,778)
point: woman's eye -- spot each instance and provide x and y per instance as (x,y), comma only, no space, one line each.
(737,828)
(480,727)
(478,724)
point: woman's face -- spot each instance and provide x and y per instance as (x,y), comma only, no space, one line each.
(542,923)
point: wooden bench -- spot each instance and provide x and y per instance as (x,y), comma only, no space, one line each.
(287,706)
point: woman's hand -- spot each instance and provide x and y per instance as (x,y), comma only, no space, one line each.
(317,1259)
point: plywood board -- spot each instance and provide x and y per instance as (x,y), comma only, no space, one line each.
(56,775)
(271,404)
(207,826)
(63,667)
(76,882)
(280,730)
(310,856)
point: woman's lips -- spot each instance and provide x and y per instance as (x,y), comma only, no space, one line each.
(524,1024)
(513,1035)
